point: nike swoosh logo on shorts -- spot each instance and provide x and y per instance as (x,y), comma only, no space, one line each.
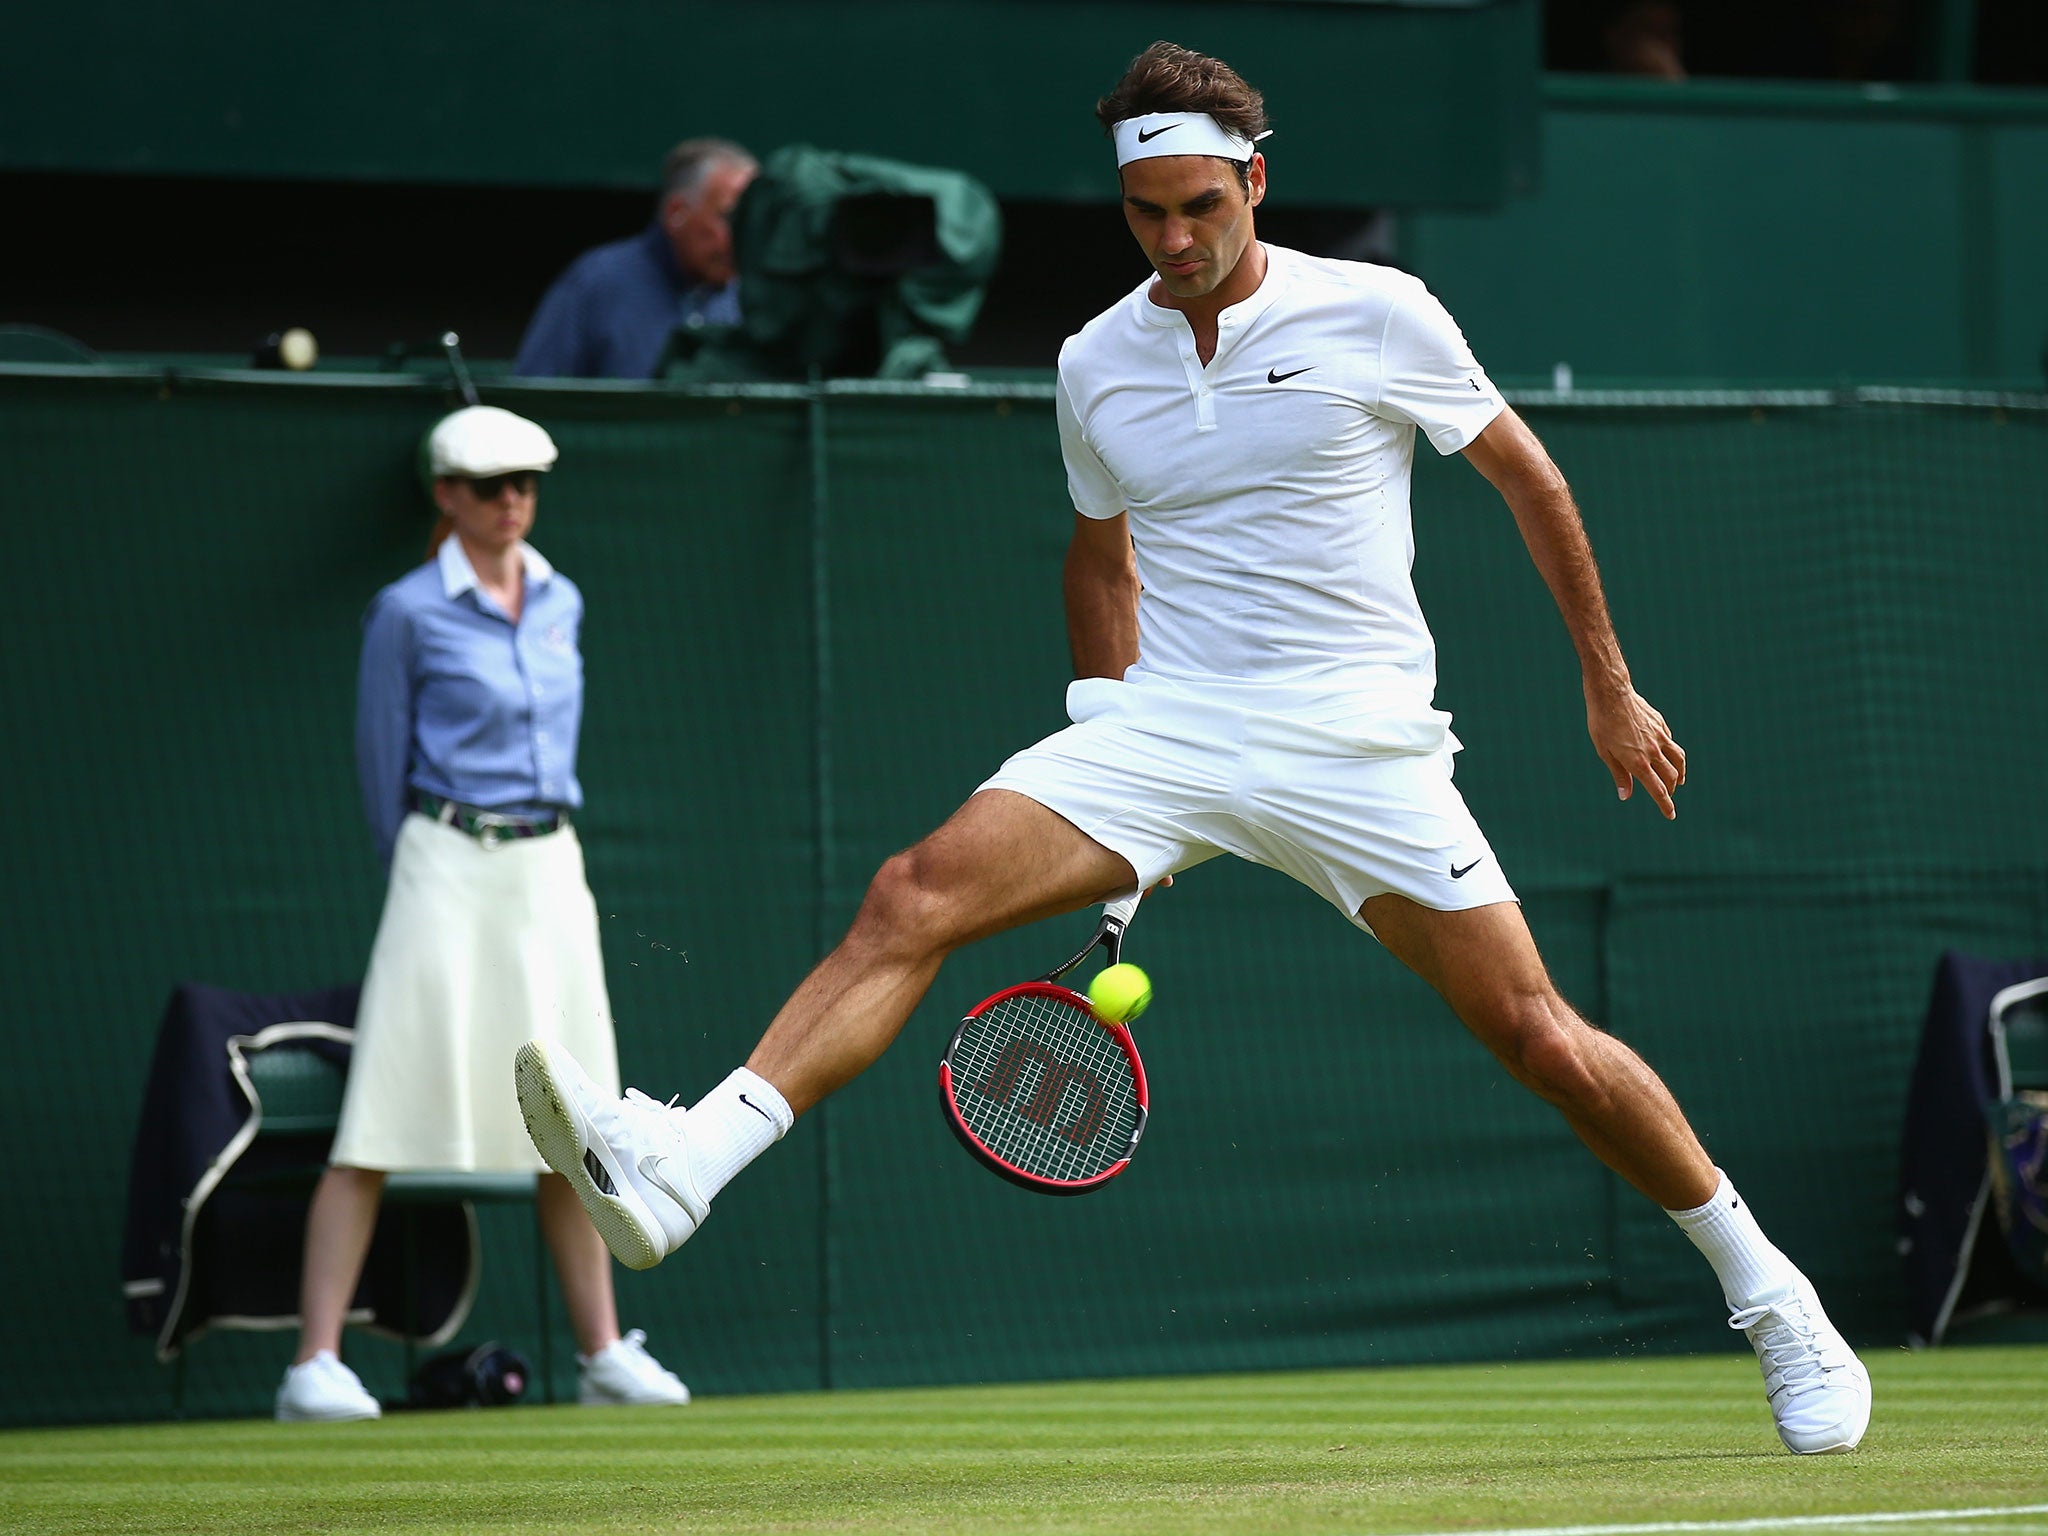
(1281,378)
(1459,874)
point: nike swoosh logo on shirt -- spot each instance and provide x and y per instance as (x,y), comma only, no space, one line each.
(1281,378)
(1459,874)
(1146,136)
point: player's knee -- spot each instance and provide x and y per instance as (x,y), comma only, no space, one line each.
(1552,1052)
(905,909)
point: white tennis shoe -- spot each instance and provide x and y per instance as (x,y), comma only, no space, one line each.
(323,1391)
(627,1159)
(624,1375)
(1819,1390)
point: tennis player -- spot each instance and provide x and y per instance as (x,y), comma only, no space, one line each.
(1254,678)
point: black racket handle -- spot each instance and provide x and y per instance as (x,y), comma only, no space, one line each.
(1109,933)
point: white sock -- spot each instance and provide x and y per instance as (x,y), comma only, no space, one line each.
(731,1126)
(1744,1260)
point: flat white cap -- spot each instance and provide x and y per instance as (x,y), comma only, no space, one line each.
(482,440)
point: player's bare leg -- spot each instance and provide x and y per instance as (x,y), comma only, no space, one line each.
(1485,965)
(1001,861)
(647,1173)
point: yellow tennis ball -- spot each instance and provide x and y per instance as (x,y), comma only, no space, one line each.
(297,349)
(1120,993)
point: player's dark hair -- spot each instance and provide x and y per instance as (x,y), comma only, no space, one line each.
(1169,78)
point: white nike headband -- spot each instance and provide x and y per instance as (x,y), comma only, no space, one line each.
(1179,133)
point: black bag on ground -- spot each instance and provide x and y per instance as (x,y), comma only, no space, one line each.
(487,1376)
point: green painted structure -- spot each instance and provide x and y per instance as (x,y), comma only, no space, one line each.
(1721,233)
(816,620)
(1711,232)
(531,93)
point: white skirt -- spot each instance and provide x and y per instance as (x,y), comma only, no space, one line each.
(479,950)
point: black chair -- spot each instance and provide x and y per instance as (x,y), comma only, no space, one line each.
(243,1097)
(1973,1212)
(299,1092)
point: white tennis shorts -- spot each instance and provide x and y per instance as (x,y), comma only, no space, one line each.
(1351,810)
(479,951)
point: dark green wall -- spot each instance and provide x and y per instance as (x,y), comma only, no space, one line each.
(533,93)
(1748,233)
(1837,607)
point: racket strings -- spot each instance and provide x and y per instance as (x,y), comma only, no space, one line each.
(1042,1084)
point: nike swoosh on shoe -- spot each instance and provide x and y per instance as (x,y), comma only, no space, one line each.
(653,1169)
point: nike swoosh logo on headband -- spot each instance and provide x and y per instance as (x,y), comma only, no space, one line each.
(1147,136)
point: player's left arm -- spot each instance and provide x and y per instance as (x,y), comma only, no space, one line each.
(1630,736)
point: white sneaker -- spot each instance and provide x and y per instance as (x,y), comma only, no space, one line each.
(624,1375)
(625,1158)
(323,1390)
(1819,1390)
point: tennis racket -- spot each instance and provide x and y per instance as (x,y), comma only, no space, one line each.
(1039,1089)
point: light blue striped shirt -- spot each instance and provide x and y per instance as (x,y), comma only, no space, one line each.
(456,700)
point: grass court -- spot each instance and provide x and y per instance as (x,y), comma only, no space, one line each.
(1958,1444)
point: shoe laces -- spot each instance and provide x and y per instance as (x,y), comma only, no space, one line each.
(641,1101)
(1796,1356)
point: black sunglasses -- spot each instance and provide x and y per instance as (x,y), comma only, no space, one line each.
(491,487)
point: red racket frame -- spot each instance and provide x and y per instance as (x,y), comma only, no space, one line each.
(994,1160)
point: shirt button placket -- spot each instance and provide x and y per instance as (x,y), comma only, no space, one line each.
(1198,386)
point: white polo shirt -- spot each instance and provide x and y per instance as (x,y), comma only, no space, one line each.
(1268,492)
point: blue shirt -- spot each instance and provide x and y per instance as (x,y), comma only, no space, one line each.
(609,316)
(456,700)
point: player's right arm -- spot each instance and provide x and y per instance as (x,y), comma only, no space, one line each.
(1101,575)
(1101,585)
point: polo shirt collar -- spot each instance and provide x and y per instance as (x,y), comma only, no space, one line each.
(1243,312)
(459,576)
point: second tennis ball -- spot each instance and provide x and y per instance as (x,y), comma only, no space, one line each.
(297,349)
(1120,993)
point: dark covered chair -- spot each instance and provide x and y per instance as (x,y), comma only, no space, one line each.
(1971,1180)
(243,1097)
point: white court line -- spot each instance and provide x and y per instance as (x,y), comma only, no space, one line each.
(1779,1523)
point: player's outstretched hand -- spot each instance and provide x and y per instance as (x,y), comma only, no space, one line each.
(1635,744)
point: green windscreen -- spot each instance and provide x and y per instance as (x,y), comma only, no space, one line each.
(817,620)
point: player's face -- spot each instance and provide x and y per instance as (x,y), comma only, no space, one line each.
(700,226)
(493,513)
(1192,217)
